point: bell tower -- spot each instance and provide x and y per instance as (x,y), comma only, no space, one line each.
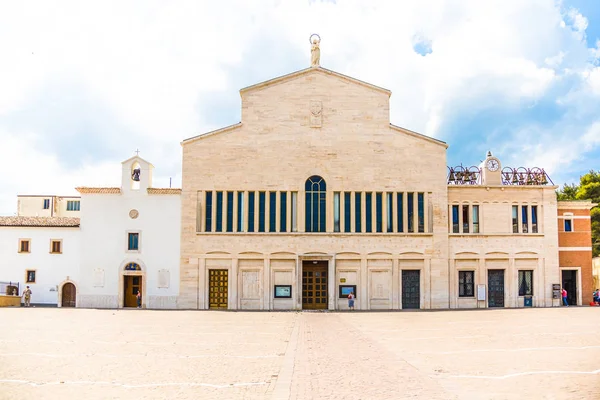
(491,171)
(136,175)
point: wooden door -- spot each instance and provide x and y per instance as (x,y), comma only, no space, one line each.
(68,295)
(131,286)
(496,288)
(314,285)
(218,285)
(411,289)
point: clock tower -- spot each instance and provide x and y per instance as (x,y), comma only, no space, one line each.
(491,171)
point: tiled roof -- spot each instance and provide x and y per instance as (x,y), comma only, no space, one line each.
(164,191)
(100,190)
(40,221)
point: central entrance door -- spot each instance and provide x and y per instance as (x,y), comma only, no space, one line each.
(569,282)
(496,288)
(68,295)
(314,285)
(131,285)
(218,283)
(411,285)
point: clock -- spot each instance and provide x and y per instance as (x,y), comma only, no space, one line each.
(492,164)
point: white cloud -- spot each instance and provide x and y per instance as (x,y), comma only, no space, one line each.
(153,65)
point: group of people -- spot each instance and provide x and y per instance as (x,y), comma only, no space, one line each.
(596,296)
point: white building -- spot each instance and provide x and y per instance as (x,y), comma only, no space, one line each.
(43,253)
(130,239)
(126,239)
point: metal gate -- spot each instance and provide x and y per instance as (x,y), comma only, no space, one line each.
(496,288)
(314,286)
(68,295)
(217,288)
(411,289)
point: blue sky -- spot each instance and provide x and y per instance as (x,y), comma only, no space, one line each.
(85,84)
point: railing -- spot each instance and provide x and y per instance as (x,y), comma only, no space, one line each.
(9,288)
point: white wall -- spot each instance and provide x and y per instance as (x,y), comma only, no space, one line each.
(51,269)
(105,222)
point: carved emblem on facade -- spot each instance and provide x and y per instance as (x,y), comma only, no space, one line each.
(316,114)
(133,214)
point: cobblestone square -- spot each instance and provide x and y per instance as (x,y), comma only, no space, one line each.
(492,354)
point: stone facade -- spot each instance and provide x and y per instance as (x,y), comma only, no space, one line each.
(318,125)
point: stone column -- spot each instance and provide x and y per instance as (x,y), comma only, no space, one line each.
(331,284)
(233,283)
(202,285)
(364,301)
(395,283)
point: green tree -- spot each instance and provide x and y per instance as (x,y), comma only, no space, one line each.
(587,189)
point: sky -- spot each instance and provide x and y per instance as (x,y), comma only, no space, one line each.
(83,84)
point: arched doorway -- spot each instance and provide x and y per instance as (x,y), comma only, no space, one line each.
(132,283)
(69,294)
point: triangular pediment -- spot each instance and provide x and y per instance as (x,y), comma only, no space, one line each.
(308,71)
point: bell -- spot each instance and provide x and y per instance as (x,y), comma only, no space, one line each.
(544,181)
(451,178)
(515,179)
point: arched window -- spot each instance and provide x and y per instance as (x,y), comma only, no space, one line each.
(315,204)
(132,267)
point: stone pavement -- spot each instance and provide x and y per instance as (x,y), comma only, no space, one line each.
(491,354)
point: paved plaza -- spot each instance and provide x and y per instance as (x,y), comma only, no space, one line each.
(487,354)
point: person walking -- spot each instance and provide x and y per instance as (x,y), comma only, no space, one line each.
(564,297)
(351,301)
(139,299)
(27,296)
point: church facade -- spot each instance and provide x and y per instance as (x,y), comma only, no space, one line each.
(315,194)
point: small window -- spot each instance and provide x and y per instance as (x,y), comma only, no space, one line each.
(208,218)
(56,246)
(240,212)
(400,211)
(357,212)
(455,225)
(229,227)
(347,212)
(368,212)
(421,211)
(515,219)
(24,246)
(261,211)
(568,225)
(465,221)
(251,211)
(379,212)
(30,276)
(525,219)
(73,205)
(475,219)
(389,205)
(534,219)
(294,212)
(272,211)
(525,283)
(133,242)
(466,283)
(219,216)
(336,211)
(411,211)
(283,212)
(46,204)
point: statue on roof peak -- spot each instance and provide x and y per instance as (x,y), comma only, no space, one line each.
(315,51)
